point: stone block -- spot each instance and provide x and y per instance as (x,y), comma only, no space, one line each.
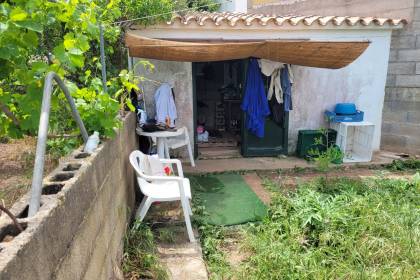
(401,67)
(403,42)
(418,68)
(391,140)
(416,3)
(402,106)
(391,80)
(408,81)
(413,117)
(418,42)
(409,55)
(391,116)
(406,129)
(393,55)
(416,16)
(402,94)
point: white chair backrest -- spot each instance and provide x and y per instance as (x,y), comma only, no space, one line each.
(138,160)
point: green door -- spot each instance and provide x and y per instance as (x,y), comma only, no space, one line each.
(273,143)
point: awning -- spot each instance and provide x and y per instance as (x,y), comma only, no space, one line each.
(320,54)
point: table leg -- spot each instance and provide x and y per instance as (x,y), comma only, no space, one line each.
(160,147)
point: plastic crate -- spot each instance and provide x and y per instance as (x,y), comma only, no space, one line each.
(306,141)
(333,117)
(355,140)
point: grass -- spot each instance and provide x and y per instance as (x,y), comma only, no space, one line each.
(329,228)
(140,260)
(338,229)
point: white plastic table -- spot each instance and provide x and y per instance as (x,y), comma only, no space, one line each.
(161,137)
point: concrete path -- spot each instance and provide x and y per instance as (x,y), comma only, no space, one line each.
(270,163)
(181,258)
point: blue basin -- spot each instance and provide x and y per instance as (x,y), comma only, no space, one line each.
(345,109)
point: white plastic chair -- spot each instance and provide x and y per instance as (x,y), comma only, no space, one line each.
(179,141)
(162,188)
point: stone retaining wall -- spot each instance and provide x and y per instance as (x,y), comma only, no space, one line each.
(78,233)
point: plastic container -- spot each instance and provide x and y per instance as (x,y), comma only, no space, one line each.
(345,109)
(334,117)
(92,143)
(306,141)
(355,140)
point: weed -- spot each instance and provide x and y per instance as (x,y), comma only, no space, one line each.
(60,147)
(140,258)
(338,229)
(166,235)
(211,239)
(402,165)
(325,152)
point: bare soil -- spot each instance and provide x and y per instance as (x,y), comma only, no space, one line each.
(16,163)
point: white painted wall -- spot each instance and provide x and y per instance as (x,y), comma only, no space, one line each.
(316,90)
(233,5)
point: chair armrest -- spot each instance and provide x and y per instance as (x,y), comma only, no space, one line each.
(178,165)
(162,178)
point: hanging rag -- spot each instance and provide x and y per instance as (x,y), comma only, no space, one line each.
(273,69)
(286,79)
(165,105)
(255,103)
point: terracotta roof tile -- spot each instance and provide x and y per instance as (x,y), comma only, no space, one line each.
(233,19)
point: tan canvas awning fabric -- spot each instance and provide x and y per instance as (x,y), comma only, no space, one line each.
(320,54)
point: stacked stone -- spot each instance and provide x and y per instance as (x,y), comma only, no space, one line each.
(401,113)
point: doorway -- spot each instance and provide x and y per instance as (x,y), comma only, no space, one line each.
(219,121)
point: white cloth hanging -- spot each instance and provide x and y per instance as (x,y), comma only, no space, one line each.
(165,105)
(273,69)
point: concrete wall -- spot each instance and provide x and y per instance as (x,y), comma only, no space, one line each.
(178,74)
(401,118)
(401,122)
(78,232)
(378,8)
(361,82)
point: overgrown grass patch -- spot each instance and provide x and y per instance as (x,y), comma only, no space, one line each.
(140,260)
(338,229)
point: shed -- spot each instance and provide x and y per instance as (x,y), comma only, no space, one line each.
(334,59)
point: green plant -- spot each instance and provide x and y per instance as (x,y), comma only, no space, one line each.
(140,258)
(62,146)
(211,239)
(338,229)
(325,153)
(401,165)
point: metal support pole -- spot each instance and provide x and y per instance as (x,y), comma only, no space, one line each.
(130,61)
(36,188)
(102,50)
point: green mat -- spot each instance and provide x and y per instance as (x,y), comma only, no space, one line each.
(227,199)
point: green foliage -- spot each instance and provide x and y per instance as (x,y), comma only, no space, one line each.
(140,258)
(40,36)
(325,153)
(133,9)
(60,147)
(199,5)
(211,239)
(402,165)
(338,229)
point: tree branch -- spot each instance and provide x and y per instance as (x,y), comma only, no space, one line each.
(9,114)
